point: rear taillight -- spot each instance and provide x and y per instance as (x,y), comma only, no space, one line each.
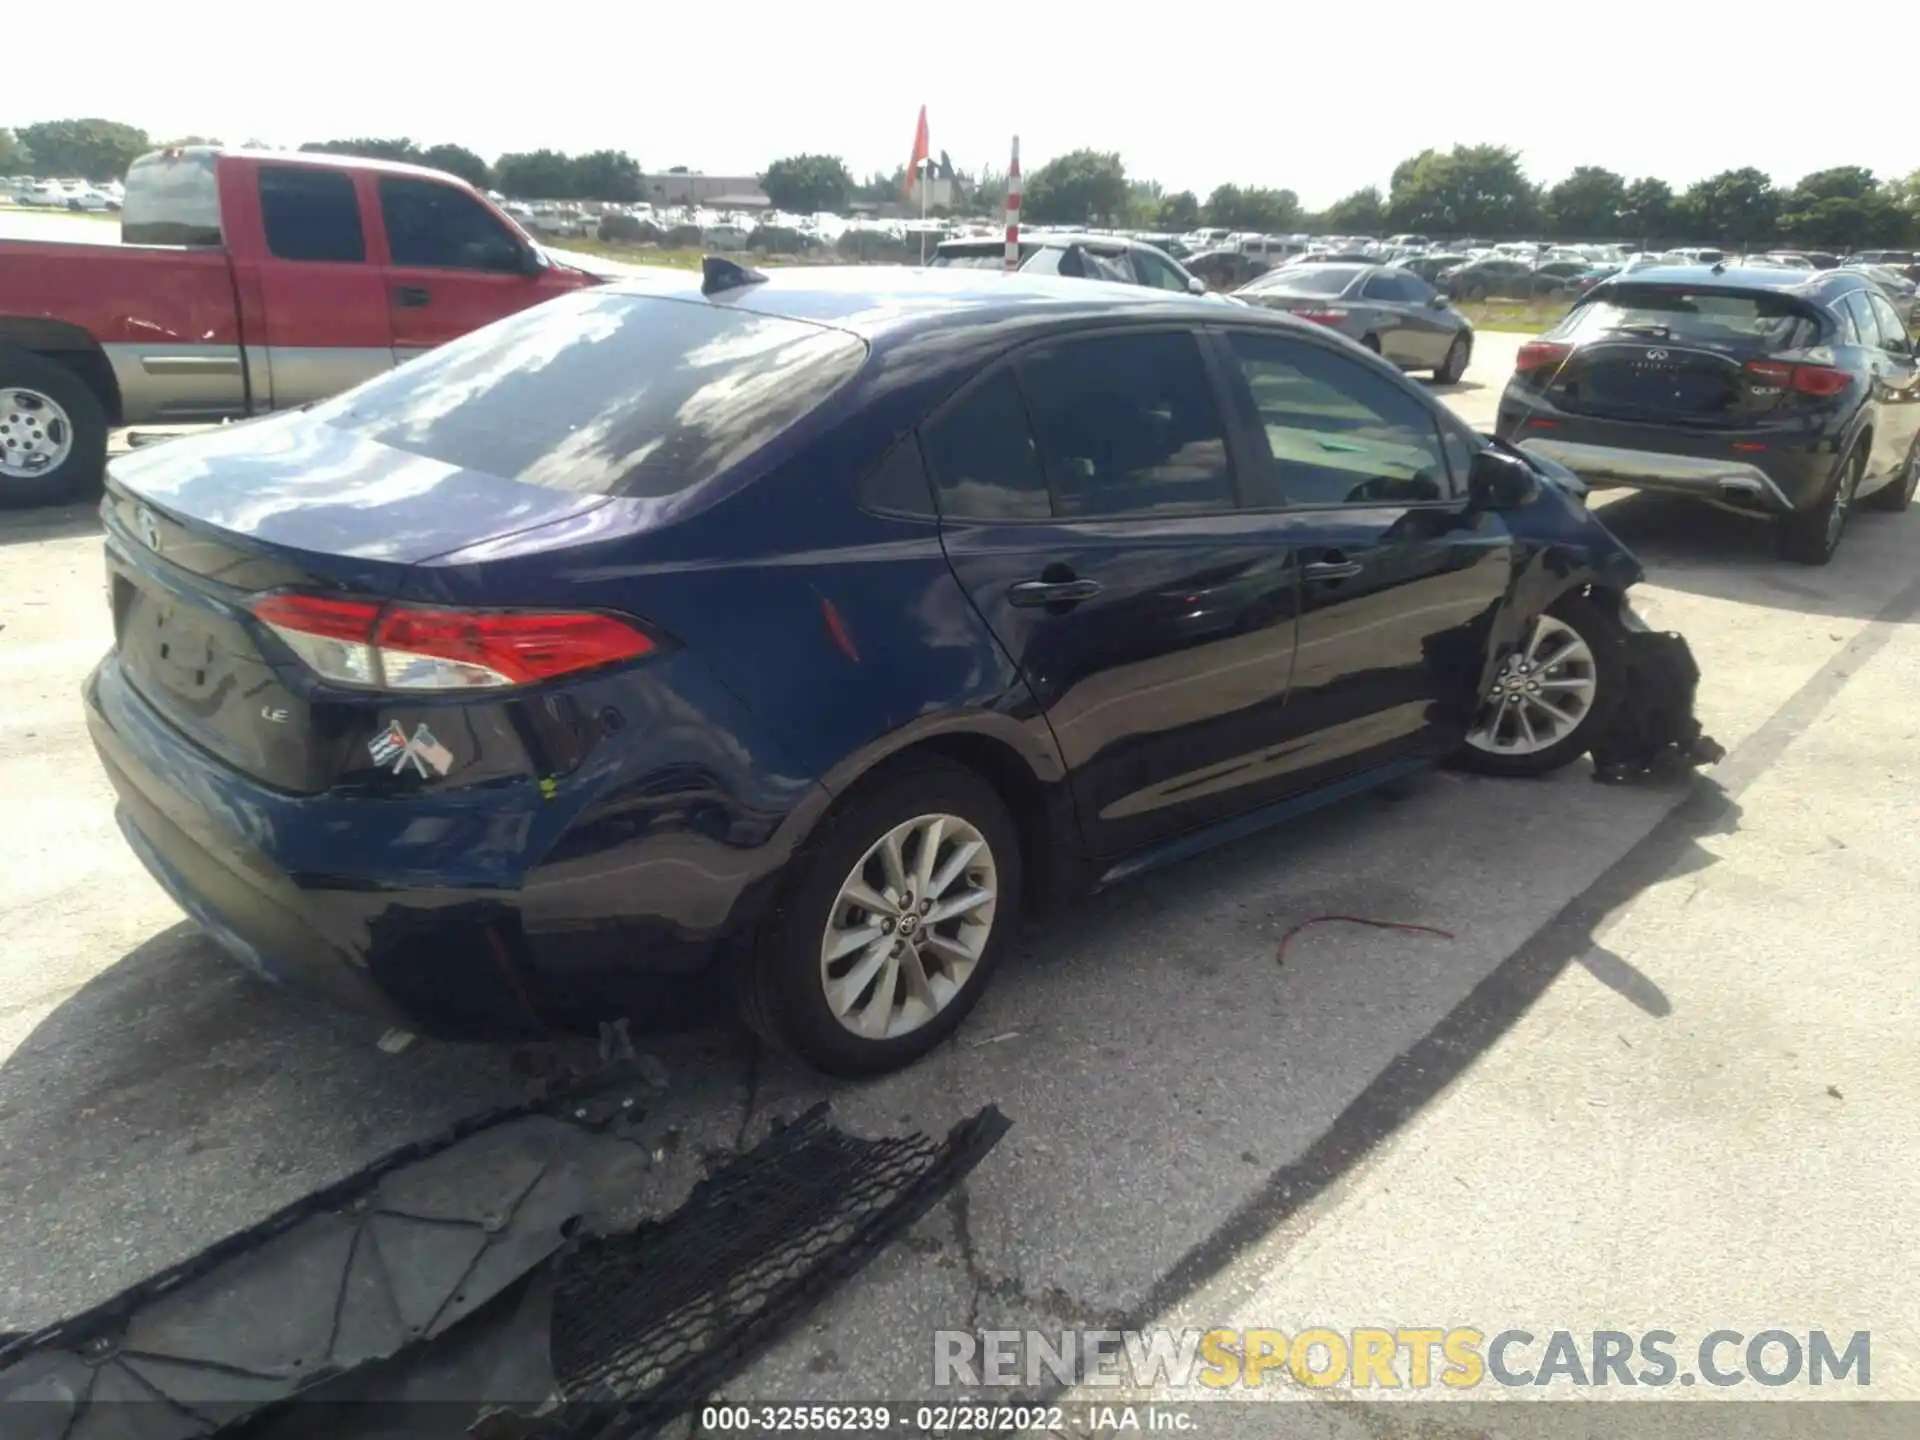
(1819,380)
(1541,355)
(1320,314)
(405,647)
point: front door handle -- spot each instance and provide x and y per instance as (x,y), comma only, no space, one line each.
(1052,592)
(411,296)
(1334,567)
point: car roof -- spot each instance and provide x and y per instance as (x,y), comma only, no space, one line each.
(1808,284)
(309,157)
(1048,239)
(881,303)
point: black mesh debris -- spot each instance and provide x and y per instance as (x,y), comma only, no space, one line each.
(646,1324)
(357,1292)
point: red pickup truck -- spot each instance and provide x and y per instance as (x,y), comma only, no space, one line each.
(247,281)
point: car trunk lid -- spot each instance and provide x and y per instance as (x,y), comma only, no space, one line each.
(197,529)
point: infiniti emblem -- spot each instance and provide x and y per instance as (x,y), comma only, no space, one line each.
(149,526)
(1656,354)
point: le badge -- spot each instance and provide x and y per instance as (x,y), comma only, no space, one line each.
(424,753)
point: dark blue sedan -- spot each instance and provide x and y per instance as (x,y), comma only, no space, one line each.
(795,630)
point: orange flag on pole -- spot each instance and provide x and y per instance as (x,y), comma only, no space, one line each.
(919,151)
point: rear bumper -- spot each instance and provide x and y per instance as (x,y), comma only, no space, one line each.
(433,915)
(1731,481)
(1759,470)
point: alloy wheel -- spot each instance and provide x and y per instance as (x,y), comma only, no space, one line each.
(36,435)
(909,926)
(1542,693)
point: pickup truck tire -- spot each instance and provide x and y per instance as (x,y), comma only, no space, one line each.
(53,433)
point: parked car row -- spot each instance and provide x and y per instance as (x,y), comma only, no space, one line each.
(63,194)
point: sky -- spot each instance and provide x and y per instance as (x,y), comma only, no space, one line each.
(1320,99)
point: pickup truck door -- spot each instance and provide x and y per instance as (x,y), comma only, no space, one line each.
(451,264)
(322,316)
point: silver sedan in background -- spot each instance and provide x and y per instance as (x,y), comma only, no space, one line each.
(1387,308)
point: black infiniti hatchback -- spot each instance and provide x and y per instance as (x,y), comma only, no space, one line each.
(1792,394)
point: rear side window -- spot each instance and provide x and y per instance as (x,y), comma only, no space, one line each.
(171,200)
(606,393)
(430,224)
(310,214)
(1864,324)
(1678,312)
(1107,265)
(1127,426)
(1158,273)
(982,456)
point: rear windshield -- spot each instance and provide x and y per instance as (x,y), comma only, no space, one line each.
(606,393)
(171,200)
(1308,280)
(1679,312)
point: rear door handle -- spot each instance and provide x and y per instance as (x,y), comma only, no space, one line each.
(411,296)
(1052,592)
(1335,567)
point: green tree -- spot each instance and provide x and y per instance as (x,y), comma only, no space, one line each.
(458,160)
(1178,212)
(882,186)
(1646,211)
(804,184)
(1843,209)
(535,175)
(1469,190)
(86,149)
(1078,188)
(606,175)
(182,141)
(1143,201)
(1223,204)
(368,148)
(1360,213)
(1736,207)
(1587,204)
(1256,208)
(15,158)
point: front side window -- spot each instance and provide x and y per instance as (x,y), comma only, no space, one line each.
(1893,334)
(1338,433)
(437,226)
(311,214)
(1127,427)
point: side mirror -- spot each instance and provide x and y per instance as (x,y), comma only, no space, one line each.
(1438,302)
(1196,286)
(1497,481)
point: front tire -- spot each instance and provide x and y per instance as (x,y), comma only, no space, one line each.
(1810,537)
(1541,710)
(1459,355)
(53,433)
(896,915)
(1899,495)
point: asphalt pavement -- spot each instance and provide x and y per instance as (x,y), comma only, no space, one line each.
(1655,1076)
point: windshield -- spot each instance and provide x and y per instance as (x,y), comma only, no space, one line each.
(1678,312)
(606,393)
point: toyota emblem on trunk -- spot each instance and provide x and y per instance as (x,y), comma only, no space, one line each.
(149,526)
(1656,354)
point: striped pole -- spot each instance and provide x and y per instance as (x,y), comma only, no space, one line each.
(1013,208)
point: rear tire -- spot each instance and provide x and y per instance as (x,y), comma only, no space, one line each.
(48,415)
(1810,537)
(1899,495)
(786,984)
(1370,342)
(1459,356)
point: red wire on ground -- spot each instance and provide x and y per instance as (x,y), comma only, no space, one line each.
(1280,953)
